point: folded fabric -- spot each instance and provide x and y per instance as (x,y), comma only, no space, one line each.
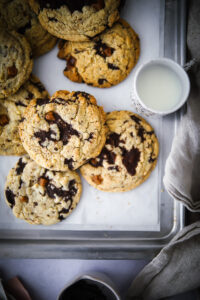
(182,176)
(174,270)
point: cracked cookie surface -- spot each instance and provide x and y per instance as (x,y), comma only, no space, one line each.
(15,62)
(64,132)
(128,157)
(18,16)
(41,196)
(12,109)
(104,61)
(76,20)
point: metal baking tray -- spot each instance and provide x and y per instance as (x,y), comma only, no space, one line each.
(163,25)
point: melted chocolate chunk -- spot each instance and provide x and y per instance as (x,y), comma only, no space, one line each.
(53,191)
(66,130)
(141,132)
(23,29)
(19,103)
(130,159)
(84,290)
(72,5)
(90,137)
(43,135)
(102,49)
(20,167)
(112,67)
(84,94)
(10,196)
(104,155)
(35,203)
(101,80)
(42,101)
(62,211)
(69,162)
(114,139)
(134,118)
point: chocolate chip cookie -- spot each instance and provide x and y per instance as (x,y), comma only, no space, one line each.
(76,20)
(41,196)
(128,157)
(65,131)
(104,61)
(18,16)
(11,114)
(15,62)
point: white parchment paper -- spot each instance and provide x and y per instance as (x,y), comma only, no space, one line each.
(134,210)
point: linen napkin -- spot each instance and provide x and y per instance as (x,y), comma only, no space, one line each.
(174,270)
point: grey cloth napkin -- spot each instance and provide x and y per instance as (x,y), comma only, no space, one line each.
(174,270)
(182,171)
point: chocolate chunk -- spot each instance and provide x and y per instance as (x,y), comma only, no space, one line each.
(30,96)
(112,67)
(97,179)
(130,159)
(23,199)
(72,5)
(20,167)
(43,181)
(114,139)
(101,80)
(53,191)
(23,29)
(43,135)
(141,132)
(42,101)
(12,71)
(134,118)
(151,160)
(19,103)
(84,94)
(90,136)
(103,50)
(69,162)
(4,120)
(10,196)
(66,130)
(20,183)
(104,155)
(52,19)
(62,211)
(39,86)
(35,203)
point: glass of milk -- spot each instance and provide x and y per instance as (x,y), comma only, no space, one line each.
(160,87)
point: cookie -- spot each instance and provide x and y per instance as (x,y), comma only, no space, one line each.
(104,61)
(20,17)
(76,20)
(15,62)
(64,132)
(41,196)
(11,114)
(128,157)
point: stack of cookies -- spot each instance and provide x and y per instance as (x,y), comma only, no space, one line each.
(100,48)
(115,152)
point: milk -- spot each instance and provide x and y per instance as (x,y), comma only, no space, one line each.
(159,87)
